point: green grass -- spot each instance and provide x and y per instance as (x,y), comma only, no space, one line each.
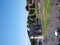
(47,5)
(45,20)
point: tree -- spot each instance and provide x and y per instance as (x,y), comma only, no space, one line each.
(31,20)
(27,8)
(31,11)
(28,26)
(33,16)
(33,42)
(28,33)
(32,6)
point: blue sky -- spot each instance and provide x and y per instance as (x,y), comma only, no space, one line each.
(13,22)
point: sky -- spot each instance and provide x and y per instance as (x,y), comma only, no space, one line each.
(13,22)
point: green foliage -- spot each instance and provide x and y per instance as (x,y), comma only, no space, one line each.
(31,11)
(47,5)
(27,8)
(32,6)
(31,20)
(33,16)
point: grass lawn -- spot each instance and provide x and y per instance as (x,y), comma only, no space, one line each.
(45,14)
